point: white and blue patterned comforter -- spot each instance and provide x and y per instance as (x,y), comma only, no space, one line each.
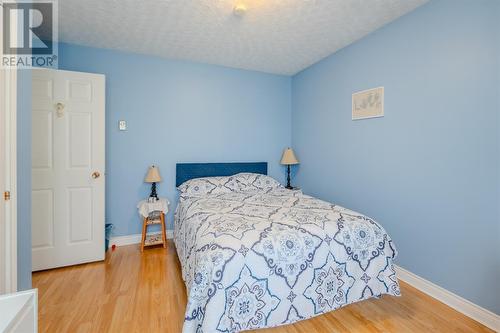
(252,259)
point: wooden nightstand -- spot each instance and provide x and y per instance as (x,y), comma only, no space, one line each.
(157,217)
(153,213)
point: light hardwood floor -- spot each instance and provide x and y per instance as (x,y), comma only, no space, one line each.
(134,292)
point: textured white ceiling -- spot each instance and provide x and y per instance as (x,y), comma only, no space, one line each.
(275,36)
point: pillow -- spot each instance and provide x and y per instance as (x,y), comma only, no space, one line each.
(208,185)
(254,181)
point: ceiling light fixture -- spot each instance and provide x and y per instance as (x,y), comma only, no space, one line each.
(240,9)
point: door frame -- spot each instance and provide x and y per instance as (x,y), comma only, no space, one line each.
(8,216)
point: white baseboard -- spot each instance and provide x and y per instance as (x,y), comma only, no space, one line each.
(485,317)
(134,239)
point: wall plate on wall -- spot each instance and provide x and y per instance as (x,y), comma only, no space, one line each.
(122,125)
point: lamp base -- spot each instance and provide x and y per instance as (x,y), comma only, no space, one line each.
(288,186)
(153,191)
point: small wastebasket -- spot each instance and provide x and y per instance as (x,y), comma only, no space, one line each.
(108,228)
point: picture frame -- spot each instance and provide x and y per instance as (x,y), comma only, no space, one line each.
(368,104)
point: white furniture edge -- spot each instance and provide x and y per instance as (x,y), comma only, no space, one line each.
(14,309)
(474,311)
(134,239)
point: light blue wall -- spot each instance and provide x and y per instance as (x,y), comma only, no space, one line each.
(24,179)
(180,112)
(428,170)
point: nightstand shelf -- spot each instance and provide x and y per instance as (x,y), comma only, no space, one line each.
(153,239)
(153,213)
(151,222)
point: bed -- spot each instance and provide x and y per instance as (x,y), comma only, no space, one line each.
(254,254)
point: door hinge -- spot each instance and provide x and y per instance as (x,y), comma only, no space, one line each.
(6,195)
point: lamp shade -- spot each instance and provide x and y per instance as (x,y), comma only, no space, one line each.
(288,157)
(153,175)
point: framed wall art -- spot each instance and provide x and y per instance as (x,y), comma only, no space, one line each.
(368,104)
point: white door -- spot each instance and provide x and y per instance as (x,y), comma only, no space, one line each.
(67,168)
(18,312)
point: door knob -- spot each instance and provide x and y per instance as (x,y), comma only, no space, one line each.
(96,174)
(60,109)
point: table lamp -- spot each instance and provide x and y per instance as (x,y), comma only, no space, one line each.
(153,177)
(288,159)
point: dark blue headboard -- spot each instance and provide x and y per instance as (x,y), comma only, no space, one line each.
(187,171)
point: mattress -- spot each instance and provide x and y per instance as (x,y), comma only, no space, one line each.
(262,258)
